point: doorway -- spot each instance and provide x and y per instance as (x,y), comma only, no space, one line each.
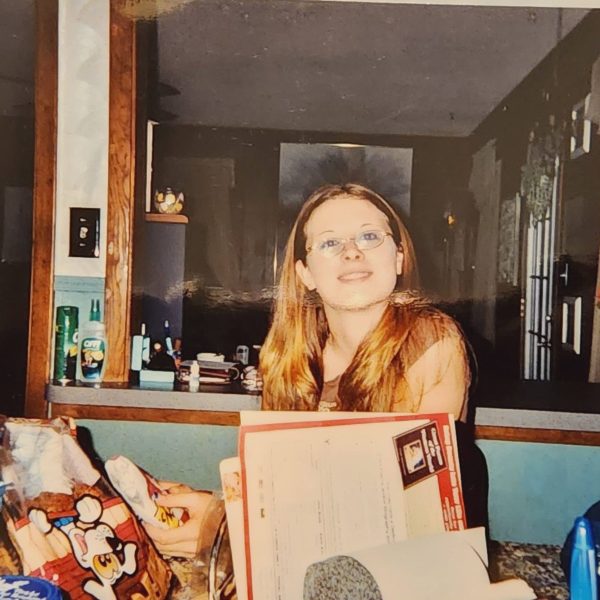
(539,277)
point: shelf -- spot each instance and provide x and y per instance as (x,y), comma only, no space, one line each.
(165,218)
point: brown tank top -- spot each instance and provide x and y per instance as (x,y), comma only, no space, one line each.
(329,396)
(427,330)
(330,401)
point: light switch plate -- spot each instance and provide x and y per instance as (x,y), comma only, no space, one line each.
(84,232)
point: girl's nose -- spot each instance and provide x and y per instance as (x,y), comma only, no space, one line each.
(351,252)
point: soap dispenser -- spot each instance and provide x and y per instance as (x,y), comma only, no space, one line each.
(92,347)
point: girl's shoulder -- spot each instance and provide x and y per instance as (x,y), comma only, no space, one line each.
(435,318)
(429,326)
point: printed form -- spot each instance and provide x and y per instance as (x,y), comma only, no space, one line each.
(313,490)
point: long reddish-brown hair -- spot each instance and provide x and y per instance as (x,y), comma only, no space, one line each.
(291,359)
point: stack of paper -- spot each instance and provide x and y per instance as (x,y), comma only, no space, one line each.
(313,494)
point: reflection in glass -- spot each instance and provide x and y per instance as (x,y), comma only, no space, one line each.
(258,103)
(17,48)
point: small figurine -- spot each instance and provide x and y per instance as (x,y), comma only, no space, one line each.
(168,202)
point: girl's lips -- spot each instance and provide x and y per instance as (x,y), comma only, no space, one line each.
(355,276)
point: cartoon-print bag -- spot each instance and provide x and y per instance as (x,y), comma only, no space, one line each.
(64,522)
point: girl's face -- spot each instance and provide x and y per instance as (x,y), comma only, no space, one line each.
(352,279)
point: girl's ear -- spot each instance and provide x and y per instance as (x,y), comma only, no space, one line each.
(399,261)
(303,272)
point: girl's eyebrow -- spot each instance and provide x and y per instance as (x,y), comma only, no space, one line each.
(359,227)
(382,225)
(332,231)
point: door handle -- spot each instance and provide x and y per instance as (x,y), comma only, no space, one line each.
(571,320)
(565,275)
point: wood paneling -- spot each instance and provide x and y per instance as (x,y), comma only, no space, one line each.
(203,417)
(119,413)
(121,182)
(541,436)
(40,310)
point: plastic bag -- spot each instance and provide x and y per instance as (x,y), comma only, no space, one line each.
(210,573)
(66,523)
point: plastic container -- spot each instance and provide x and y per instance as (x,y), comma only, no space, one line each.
(194,381)
(242,354)
(65,343)
(19,587)
(582,579)
(212,567)
(140,350)
(145,347)
(92,347)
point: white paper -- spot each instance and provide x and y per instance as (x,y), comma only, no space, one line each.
(313,491)
(445,566)
(316,489)
(230,470)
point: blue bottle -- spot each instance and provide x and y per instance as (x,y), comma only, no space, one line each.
(582,580)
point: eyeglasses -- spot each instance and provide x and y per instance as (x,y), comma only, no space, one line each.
(365,240)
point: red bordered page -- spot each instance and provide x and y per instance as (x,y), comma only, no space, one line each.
(325,486)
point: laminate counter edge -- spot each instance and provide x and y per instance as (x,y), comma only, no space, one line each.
(152,398)
(217,407)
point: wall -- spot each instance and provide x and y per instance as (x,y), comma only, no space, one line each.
(230,178)
(160,278)
(439,178)
(81,148)
(82,127)
(548,95)
(188,453)
(536,490)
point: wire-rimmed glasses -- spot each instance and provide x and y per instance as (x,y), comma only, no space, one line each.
(363,240)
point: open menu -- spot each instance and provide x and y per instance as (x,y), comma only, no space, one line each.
(309,486)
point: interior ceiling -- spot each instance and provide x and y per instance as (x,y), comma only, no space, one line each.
(321,66)
(349,67)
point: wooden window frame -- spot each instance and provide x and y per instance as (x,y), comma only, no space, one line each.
(120,226)
(120,208)
(120,223)
(44,200)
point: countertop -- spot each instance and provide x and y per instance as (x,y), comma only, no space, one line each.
(232,399)
(226,398)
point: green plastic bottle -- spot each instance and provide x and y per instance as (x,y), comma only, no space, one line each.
(92,347)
